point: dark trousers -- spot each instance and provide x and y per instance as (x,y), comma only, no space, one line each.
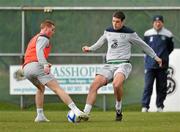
(161,86)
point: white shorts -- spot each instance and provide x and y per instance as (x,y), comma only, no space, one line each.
(110,70)
(34,72)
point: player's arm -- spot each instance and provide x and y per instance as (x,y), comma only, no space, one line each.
(41,43)
(170,45)
(158,60)
(146,48)
(95,46)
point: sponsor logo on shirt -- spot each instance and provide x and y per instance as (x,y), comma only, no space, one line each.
(115,44)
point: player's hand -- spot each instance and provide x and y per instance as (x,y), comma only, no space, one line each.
(47,68)
(85,49)
(159,61)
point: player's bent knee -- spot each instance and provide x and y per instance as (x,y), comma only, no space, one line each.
(117,86)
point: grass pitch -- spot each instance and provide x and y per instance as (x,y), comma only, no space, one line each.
(23,121)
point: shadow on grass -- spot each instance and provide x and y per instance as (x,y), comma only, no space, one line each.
(4,106)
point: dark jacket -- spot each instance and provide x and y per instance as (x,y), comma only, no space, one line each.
(161,42)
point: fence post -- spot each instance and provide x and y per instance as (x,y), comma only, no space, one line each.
(104,102)
(22,102)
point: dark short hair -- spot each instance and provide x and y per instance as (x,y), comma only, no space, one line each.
(119,14)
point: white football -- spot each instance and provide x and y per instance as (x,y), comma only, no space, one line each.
(72,117)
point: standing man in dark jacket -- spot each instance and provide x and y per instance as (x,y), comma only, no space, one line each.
(160,40)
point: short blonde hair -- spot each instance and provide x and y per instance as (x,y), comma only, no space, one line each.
(47,23)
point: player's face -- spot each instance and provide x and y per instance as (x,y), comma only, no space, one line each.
(158,25)
(117,23)
(50,31)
